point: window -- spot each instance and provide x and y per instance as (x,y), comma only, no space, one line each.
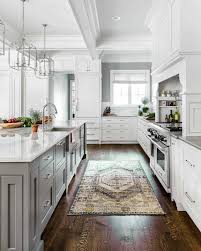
(129,87)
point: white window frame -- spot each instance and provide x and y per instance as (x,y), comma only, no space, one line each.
(148,88)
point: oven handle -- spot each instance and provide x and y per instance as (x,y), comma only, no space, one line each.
(158,146)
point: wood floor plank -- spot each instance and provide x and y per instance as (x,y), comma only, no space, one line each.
(173,232)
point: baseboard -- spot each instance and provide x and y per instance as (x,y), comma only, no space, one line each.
(119,142)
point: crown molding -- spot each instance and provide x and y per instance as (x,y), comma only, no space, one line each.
(85,13)
(127,44)
(58,42)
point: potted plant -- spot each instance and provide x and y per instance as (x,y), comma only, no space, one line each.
(145,108)
(35,118)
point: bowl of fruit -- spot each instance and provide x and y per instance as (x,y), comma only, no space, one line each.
(11,123)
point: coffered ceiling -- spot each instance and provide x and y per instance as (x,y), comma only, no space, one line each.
(131,14)
(56,13)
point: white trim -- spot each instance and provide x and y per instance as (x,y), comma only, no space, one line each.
(84,20)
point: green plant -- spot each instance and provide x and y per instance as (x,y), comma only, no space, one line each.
(26,120)
(145,109)
(35,116)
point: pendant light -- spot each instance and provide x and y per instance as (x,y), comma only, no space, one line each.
(2,38)
(22,54)
(45,63)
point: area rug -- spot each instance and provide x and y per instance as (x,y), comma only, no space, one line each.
(115,188)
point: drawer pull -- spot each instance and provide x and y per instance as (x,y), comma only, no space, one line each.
(48,176)
(189,197)
(189,163)
(47,203)
(91,134)
(47,158)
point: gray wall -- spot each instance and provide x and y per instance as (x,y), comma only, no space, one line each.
(107,67)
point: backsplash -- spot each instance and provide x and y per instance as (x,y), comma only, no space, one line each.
(120,111)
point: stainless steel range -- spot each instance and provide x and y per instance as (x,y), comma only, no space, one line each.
(160,154)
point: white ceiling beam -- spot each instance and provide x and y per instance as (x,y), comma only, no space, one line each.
(85,13)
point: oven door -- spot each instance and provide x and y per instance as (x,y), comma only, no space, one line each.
(162,167)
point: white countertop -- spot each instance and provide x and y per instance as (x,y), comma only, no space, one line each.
(20,145)
(69,124)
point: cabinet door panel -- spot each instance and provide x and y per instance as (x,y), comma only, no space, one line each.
(34,215)
(11,213)
(88,95)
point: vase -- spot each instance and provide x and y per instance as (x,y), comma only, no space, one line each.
(35,128)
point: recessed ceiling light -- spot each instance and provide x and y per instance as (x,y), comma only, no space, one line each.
(116,18)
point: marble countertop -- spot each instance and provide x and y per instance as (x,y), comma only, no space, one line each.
(20,145)
(73,124)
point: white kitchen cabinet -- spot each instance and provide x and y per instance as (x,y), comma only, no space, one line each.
(11,213)
(174,31)
(119,129)
(89,103)
(191,182)
(35,92)
(176,172)
(89,93)
(143,125)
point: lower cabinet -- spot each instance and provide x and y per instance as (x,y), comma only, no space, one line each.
(11,213)
(191,183)
(30,195)
(119,129)
(34,205)
(60,182)
(46,203)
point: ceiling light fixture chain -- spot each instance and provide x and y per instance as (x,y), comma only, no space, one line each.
(2,37)
(22,54)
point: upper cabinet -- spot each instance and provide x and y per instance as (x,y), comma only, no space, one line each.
(165,30)
(174,30)
(86,64)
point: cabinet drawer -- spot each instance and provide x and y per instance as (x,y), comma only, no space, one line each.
(115,126)
(46,206)
(93,134)
(115,135)
(192,160)
(92,124)
(46,158)
(46,175)
(60,180)
(60,152)
(115,120)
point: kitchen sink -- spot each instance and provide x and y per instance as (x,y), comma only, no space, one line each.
(58,129)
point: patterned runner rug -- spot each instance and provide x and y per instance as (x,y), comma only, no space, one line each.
(115,188)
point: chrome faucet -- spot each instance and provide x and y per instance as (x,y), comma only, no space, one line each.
(43,113)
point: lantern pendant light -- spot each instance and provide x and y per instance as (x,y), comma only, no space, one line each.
(45,63)
(22,54)
(2,38)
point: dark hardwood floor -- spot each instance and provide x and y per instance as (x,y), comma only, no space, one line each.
(173,232)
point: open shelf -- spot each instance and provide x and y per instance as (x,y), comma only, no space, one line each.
(168,99)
